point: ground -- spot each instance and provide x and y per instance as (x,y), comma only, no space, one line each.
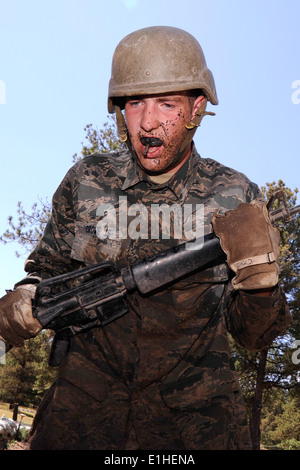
(18,446)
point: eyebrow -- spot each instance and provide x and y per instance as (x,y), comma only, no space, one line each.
(176,98)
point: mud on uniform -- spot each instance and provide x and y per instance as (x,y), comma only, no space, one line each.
(160,377)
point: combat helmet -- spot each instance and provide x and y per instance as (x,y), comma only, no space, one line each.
(158,59)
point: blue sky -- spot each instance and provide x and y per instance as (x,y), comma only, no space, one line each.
(55,59)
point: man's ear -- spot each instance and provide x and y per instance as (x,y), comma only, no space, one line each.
(198,103)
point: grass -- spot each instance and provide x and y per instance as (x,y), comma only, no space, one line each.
(28,413)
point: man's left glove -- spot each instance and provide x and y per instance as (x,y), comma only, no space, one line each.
(251,244)
(16,320)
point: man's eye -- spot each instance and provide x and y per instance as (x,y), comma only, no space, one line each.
(168,105)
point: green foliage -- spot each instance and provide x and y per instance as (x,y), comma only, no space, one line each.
(100,141)
(282,430)
(22,435)
(28,228)
(26,375)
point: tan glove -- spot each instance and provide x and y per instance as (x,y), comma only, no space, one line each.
(251,244)
(16,320)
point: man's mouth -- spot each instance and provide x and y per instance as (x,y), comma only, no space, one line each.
(150,142)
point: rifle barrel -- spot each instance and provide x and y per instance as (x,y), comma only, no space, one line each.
(150,274)
(281,213)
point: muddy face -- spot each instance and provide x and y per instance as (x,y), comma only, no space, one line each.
(156,126)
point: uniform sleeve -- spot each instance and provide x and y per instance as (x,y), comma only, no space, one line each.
(51,257)
(255,321)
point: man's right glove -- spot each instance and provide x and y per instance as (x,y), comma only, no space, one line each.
(16,320)
(251,244)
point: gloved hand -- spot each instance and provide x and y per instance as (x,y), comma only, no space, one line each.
(251,244)
(16,320)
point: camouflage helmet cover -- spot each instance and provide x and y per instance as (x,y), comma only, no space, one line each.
(159,59)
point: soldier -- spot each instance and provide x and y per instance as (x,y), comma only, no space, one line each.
(161,376)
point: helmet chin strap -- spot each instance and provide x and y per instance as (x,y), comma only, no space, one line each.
(123,132)
(191,127)
(121,125)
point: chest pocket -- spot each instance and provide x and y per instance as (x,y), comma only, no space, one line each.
(95,237)
(89,248)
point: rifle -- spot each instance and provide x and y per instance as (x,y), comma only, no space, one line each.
(98,293)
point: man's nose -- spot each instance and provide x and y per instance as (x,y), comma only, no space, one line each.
(149,119)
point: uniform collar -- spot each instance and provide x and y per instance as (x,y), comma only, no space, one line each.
(179,184)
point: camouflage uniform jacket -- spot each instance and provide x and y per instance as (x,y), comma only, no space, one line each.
(176,338)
